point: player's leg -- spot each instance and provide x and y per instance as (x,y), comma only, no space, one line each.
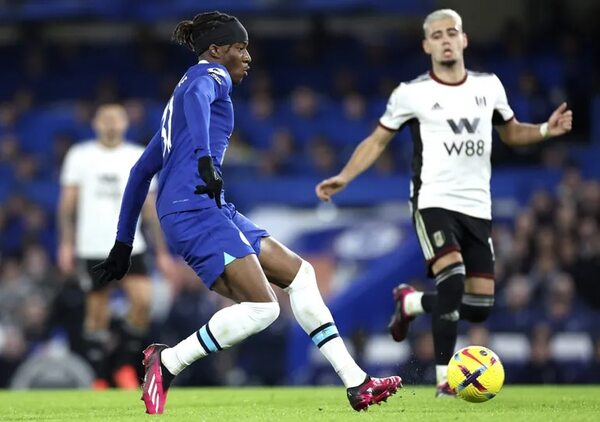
(244,282)
(134,330)
(96,334)
(297,278)
(449,272)
(224,260)
(478,253)
(438,232)
(96,325)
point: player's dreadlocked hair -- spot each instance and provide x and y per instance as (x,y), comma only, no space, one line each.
(190,32)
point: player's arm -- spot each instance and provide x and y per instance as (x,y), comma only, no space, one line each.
(136,190)
(116,265)
(150,218)
(196,105)
(66,226)
(516,133)
(363,157)
(71,176)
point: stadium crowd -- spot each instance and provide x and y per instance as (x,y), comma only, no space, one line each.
(293,118)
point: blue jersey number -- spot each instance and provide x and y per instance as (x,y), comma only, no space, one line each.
(165,127)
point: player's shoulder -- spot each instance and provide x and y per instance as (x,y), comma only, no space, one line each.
(86,146)
(487,80)
(131,149)
(484,77)
(423,77)
(479,74)
(406,87)
(216,71)
(132,146)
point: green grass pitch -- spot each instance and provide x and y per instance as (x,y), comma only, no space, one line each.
(281,404)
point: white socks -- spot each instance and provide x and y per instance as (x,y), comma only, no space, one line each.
(233,324)
(227,327)
(315,319)
(441,373)
(412,303)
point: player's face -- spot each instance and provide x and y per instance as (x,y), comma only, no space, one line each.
(445,41)
(237,61)
(110,122)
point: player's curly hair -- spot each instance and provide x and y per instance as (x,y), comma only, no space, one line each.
(188,32)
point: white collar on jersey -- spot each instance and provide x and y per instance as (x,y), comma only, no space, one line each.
(203,61)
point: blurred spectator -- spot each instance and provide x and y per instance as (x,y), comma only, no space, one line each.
(142,126)
(322,157)
(303,115)
(280,158)
(13,348)
(514,310)
(562,311)
(541,368)
(259,122)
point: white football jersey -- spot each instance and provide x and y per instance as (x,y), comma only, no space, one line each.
(451,126)
(101,175)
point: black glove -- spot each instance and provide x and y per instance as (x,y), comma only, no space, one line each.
(214,183)
(114,267)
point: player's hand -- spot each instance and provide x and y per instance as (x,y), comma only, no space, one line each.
(214,183)
(329,187)
(115,266)
(560,121)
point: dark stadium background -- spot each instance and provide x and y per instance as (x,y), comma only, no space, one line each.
(321,74)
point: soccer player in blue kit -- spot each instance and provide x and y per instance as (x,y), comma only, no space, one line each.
(231,255)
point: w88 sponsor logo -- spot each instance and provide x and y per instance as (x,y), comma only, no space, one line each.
(469,147)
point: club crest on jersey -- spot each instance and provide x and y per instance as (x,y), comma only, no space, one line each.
(481,101)
(436,106)
(439,239)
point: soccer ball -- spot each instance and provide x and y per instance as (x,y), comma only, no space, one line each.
(475,373)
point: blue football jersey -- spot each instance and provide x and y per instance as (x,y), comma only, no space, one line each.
(197,121)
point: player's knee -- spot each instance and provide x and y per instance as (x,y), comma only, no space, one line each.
(262,314)
(446,260)
(450,286)
(476,308)
(305,277)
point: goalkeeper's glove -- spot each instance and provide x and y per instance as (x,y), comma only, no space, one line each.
(114,267)
(214,183)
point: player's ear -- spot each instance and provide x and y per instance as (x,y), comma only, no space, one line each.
(426,47)
(214,51)
(465,40)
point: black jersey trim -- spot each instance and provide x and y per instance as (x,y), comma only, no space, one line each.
(417,159)
(498,120)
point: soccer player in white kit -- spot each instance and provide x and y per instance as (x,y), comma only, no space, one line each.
(450,112)
(93,178)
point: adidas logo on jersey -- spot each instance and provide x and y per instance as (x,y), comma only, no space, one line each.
(436,106)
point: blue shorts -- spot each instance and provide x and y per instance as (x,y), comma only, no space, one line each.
(210,238)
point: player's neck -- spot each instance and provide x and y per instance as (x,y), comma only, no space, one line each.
(110,142)
(451,75)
